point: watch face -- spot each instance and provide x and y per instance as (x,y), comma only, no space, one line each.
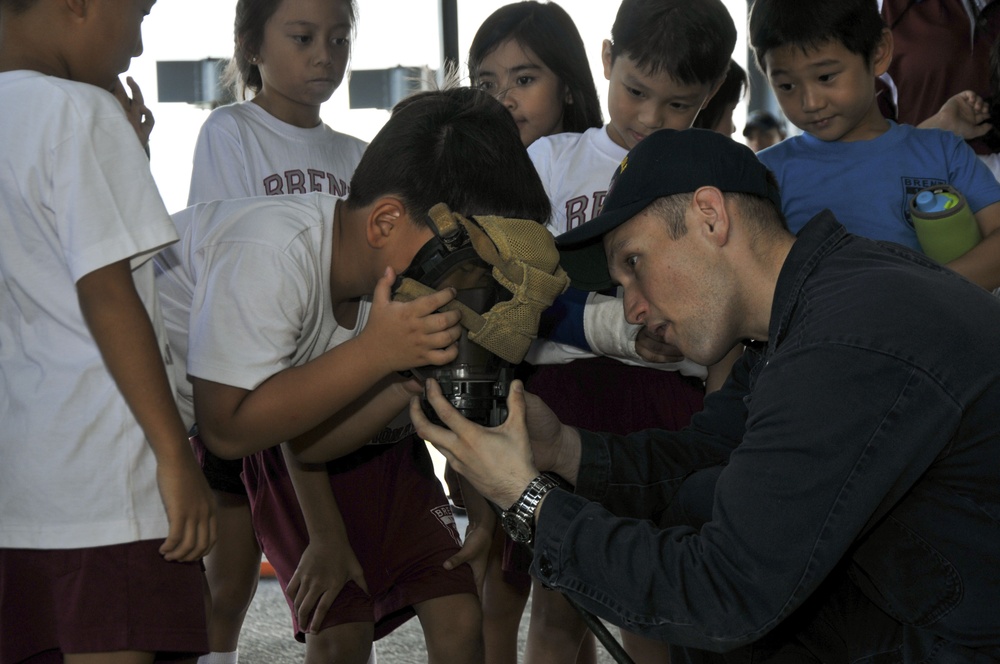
(515,526)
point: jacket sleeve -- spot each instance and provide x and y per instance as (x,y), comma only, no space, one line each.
(833,435)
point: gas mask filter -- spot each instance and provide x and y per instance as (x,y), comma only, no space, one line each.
(506,273)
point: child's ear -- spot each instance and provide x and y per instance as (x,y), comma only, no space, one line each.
(78,8)
(383,219)
(882,57)
(606,58)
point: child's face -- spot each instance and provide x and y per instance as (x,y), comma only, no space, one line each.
(115,40)
(303,57)
(532,93)
(639,103)
(829,91)
(758,139)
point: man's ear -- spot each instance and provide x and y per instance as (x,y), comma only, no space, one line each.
(384,218)
(712,216)
(882,57)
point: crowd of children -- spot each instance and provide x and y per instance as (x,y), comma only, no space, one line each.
(137,345)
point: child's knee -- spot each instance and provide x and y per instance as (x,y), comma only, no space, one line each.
(350,643)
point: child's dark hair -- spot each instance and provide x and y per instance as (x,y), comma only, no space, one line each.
(549,32)
(248,33)
(458,146)
(992,137)
(857,24)
(691,40)
(17,6)
(729,93)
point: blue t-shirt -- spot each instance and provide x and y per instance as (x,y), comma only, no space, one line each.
(868,184)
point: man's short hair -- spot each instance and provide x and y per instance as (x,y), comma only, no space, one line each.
(857,24)
(458,146)
(691,40)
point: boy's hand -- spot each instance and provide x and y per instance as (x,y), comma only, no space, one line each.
(653,349)
(324,569)
(475,551)
(138,114)
(190,508)
(965,114)
(404,335)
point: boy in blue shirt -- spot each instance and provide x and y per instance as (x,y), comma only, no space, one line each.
(822,60)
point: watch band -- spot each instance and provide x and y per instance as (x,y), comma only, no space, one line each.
(519,520)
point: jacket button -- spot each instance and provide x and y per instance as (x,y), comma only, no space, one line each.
(544,566)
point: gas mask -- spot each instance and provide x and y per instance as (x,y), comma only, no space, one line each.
(506,273)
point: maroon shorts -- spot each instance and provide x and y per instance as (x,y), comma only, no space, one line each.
(101,599)
(223,475)
(601,394)
(398,521)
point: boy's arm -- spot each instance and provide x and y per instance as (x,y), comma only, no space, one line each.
(234,422)
(120,325)
(356,424)
(981,264)
(328,562)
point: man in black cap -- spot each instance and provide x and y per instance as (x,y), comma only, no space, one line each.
(836,501)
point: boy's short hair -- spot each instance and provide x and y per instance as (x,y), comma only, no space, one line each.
(17,6)
(691,40)
(857,24)
(458,146)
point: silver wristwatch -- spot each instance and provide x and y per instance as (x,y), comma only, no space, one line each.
(519,520)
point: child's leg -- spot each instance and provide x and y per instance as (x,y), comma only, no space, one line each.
(232,568)
(350,643)
(645,651)
(126,657)
(556,631)
(503,605)
(452,629)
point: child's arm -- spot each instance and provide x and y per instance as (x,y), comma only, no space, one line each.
(328,562)
(981,264)
(356,424)
(120,325)
(964,114)
(234,422)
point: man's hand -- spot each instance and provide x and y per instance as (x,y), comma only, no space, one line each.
(190,508)
(138,114)
(324,568)
(499,461)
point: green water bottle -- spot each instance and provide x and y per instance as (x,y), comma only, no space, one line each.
(946,227)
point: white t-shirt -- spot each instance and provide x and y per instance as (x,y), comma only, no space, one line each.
(249,285)
(576,170)
(76,195)
(245,151)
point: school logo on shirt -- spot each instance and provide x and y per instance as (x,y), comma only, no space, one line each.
(446,517)
(912,186)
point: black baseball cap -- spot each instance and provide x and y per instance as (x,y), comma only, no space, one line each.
(665,163)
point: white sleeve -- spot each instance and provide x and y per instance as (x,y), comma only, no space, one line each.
(608,333)
(219,171)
